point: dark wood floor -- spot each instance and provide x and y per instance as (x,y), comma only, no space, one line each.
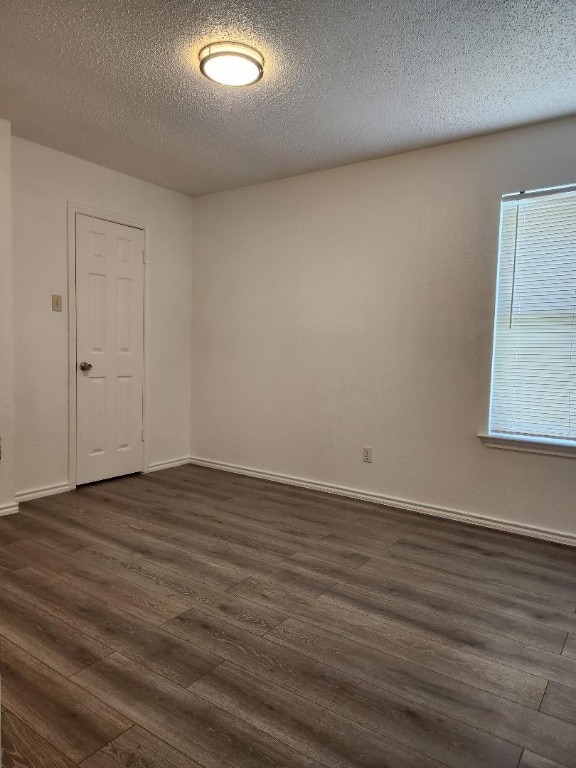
(195,618)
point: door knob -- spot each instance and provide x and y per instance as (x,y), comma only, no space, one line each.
(85,366)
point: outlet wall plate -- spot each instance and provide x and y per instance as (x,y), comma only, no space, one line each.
(56,303)
(367,455)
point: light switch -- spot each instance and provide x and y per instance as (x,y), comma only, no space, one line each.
(56,303)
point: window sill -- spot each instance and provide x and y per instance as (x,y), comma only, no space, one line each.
(528,446)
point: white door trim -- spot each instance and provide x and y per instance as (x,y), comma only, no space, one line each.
(73,209)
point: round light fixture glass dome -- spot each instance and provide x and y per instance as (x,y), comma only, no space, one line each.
(231,63)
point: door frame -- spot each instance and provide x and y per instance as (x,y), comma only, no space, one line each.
(115,218)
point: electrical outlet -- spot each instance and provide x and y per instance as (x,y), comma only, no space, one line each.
(367,455)
(56,303)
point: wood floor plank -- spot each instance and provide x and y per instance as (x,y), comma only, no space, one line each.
(474,541)
(180,507)
(501,649)
(74,723)
(285,530)
(434,573)
(225,528)
(532,760)
(439,604)
(547,557)
(230,531)
(216,564)
(381,711)
(191,593)
(514,602)
(560,701)
(8,562)
(134,543)
(413,647)
(65,519)
(380,516)
(556,585)
(570,645)
(319,503)
(143,603)
(238,538)
(47,638)
(76,504)
(278,526)
(287,502)
(249,562)
(188,723)
(147,644)
(138,748)
(108,491)
(7,535)
(279,541)
(505,719)
(306,727)
(22,747)
(256,512)
(246,514)
(555,571)
(270,593)
(26,527)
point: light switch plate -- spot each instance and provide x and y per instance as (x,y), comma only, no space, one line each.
(56,303)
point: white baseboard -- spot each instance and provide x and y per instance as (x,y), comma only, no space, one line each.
(38,493)
(8,509)
(155,466)
(389,501)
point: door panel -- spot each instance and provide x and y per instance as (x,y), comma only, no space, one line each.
(110,337)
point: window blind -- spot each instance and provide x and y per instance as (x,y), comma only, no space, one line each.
(534,365)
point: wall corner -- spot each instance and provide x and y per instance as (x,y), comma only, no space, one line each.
(7,435)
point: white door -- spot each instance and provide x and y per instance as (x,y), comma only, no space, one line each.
(110,348)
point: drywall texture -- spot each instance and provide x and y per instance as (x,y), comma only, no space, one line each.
(6,325)
(117,82)
(354,307)
(44,181)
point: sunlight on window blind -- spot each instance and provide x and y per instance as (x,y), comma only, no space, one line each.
(534,366)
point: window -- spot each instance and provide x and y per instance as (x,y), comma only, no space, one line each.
(533,395)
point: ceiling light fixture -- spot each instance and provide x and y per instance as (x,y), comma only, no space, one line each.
(231,63)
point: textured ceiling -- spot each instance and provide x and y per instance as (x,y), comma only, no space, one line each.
(116,81)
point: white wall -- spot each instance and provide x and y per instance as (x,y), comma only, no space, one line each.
(6,327)
(43,183)
(354,307)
